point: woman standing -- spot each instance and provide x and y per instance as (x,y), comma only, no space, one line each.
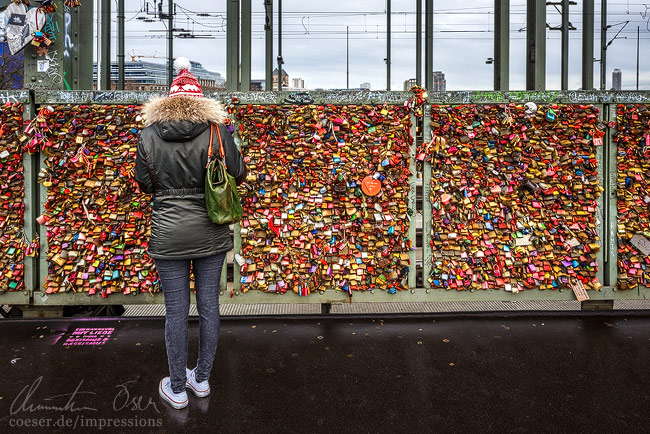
(171,163)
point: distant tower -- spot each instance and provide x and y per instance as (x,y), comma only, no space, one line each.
(617,77)
(439,82)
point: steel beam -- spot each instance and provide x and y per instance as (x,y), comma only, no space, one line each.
(587,44)
(268,40)
(280,60)
(565,45)
(232,45)
(84,40)
(388,13)
(170,42)
(603,44)
(501,44)
(120,44)
(78,48)
(536,45)
(428,45)
(418,42)
(245,45)
(104,70)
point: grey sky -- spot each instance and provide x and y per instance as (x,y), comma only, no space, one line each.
(314,41)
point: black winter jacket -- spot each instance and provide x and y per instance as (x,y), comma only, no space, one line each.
(170,163)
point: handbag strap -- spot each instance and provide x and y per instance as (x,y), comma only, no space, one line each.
(221,150)
(210,147)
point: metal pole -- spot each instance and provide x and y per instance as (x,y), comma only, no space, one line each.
(388,13)
(347,57)
(536,45)
(418,42)
(120,44)
(170,43)
(268,39)
(603,44)
(245,45)
(105,45)
(428,45)
(232,45)
(280,61)
(637,57)
(501,44)
(565,45)
(587,44)
(84,79)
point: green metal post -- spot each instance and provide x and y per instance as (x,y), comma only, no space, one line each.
(280,59)
(30,171)
(232,45)
(426,203)
(412,277)
(120,44)
(601,203)
(536,45)
(268,40)
(105,45)
(388,13)
(71,44)
(418,42)
(245,45)
(611,151)
(587,44)
(603,44)
(428,45)
(83,79)
(42,229)
(170,43)
(565,45)
(501,44)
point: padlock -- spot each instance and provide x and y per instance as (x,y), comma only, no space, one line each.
(97,219)
(633,194)
(306,214)
(509,185)
(12,240)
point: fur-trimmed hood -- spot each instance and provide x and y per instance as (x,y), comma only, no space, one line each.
(183,108)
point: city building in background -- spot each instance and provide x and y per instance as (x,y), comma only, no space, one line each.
(439,82)
(365,85)
(285,78)
(143,75)
(298,83)
(408,84)
(617,77)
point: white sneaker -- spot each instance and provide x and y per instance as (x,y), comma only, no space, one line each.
(176,400)
(201,389)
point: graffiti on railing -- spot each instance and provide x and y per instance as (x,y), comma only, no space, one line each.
(13,96)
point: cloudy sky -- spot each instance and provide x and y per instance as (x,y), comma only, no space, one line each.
(314,40)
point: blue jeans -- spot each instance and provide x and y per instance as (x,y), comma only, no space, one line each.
(175,283)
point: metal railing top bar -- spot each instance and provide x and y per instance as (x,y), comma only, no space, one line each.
(300,98)
(547,96)
(346,97)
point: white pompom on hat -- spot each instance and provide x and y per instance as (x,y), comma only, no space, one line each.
(182,63)
(185,83)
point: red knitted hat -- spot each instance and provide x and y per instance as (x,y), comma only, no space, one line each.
(185,83)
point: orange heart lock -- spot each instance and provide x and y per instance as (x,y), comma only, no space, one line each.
(370,186)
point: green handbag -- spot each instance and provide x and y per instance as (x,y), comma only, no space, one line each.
(221,197)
